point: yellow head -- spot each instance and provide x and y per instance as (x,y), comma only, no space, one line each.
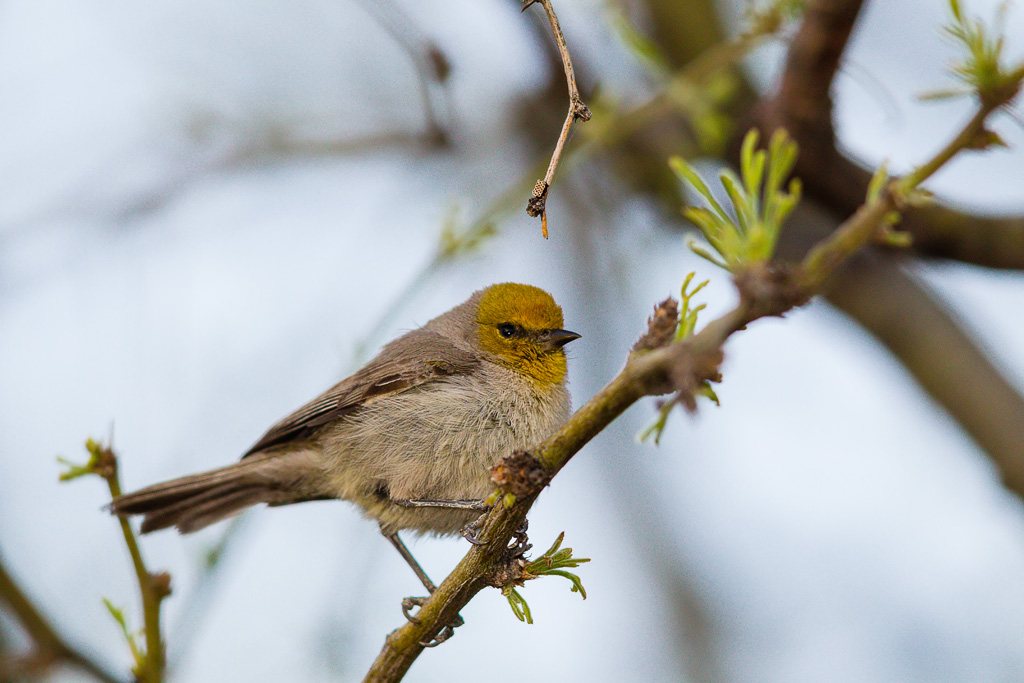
(522,326)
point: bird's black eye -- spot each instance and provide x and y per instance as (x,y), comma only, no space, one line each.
(506,330)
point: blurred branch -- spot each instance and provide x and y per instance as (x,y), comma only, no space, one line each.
(802,104)
(431,64)
(192,613)
(944,232)
(947,363)
(658,364)
(895,307)
(683,29)
(577,111)
(49,648)
(681,91)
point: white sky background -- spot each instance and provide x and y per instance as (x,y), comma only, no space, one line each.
(836,524)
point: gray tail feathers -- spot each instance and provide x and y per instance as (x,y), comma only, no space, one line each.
(196,501)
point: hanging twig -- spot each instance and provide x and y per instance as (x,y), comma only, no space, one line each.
(577,111)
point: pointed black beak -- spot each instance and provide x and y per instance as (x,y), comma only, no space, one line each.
(556,339)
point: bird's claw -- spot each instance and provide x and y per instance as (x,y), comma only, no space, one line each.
(408,604)
(447,632)
(470,531)
(522,543)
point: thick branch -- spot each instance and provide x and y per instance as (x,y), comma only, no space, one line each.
(941,356)
(803,102)
(991,241)
(874,290)
(681,367)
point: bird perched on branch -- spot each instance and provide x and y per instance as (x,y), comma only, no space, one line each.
(410,437)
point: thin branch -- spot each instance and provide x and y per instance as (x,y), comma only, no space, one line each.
(431,64)
(49,648)
(153,588)
(149,665)
(199,600)
(577,111)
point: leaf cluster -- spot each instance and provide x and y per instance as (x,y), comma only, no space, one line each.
(981,68)
(554,562)
(748,236)
(687,325)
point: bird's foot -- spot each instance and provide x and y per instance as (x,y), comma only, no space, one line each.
(471,532)
(522,544)
(444,634)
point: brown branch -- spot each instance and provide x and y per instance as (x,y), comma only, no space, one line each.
(802,104)
(895,307)
(49,648)
(654,368)
(945,232)
(577,111)
(943,358)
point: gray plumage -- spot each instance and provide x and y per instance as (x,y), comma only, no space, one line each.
(424,419)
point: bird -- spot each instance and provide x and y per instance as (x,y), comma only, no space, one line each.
(410,437)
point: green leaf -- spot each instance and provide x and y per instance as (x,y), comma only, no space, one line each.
(896,239)
(744,210)
(518,604)
(658,426)
(752,163)
(943,94)
(687,173)
(705,254)
(954,6)
(553,562)
(137,655)
(708,392)
(73,470)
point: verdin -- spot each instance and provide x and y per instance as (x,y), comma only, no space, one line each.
(410,436)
